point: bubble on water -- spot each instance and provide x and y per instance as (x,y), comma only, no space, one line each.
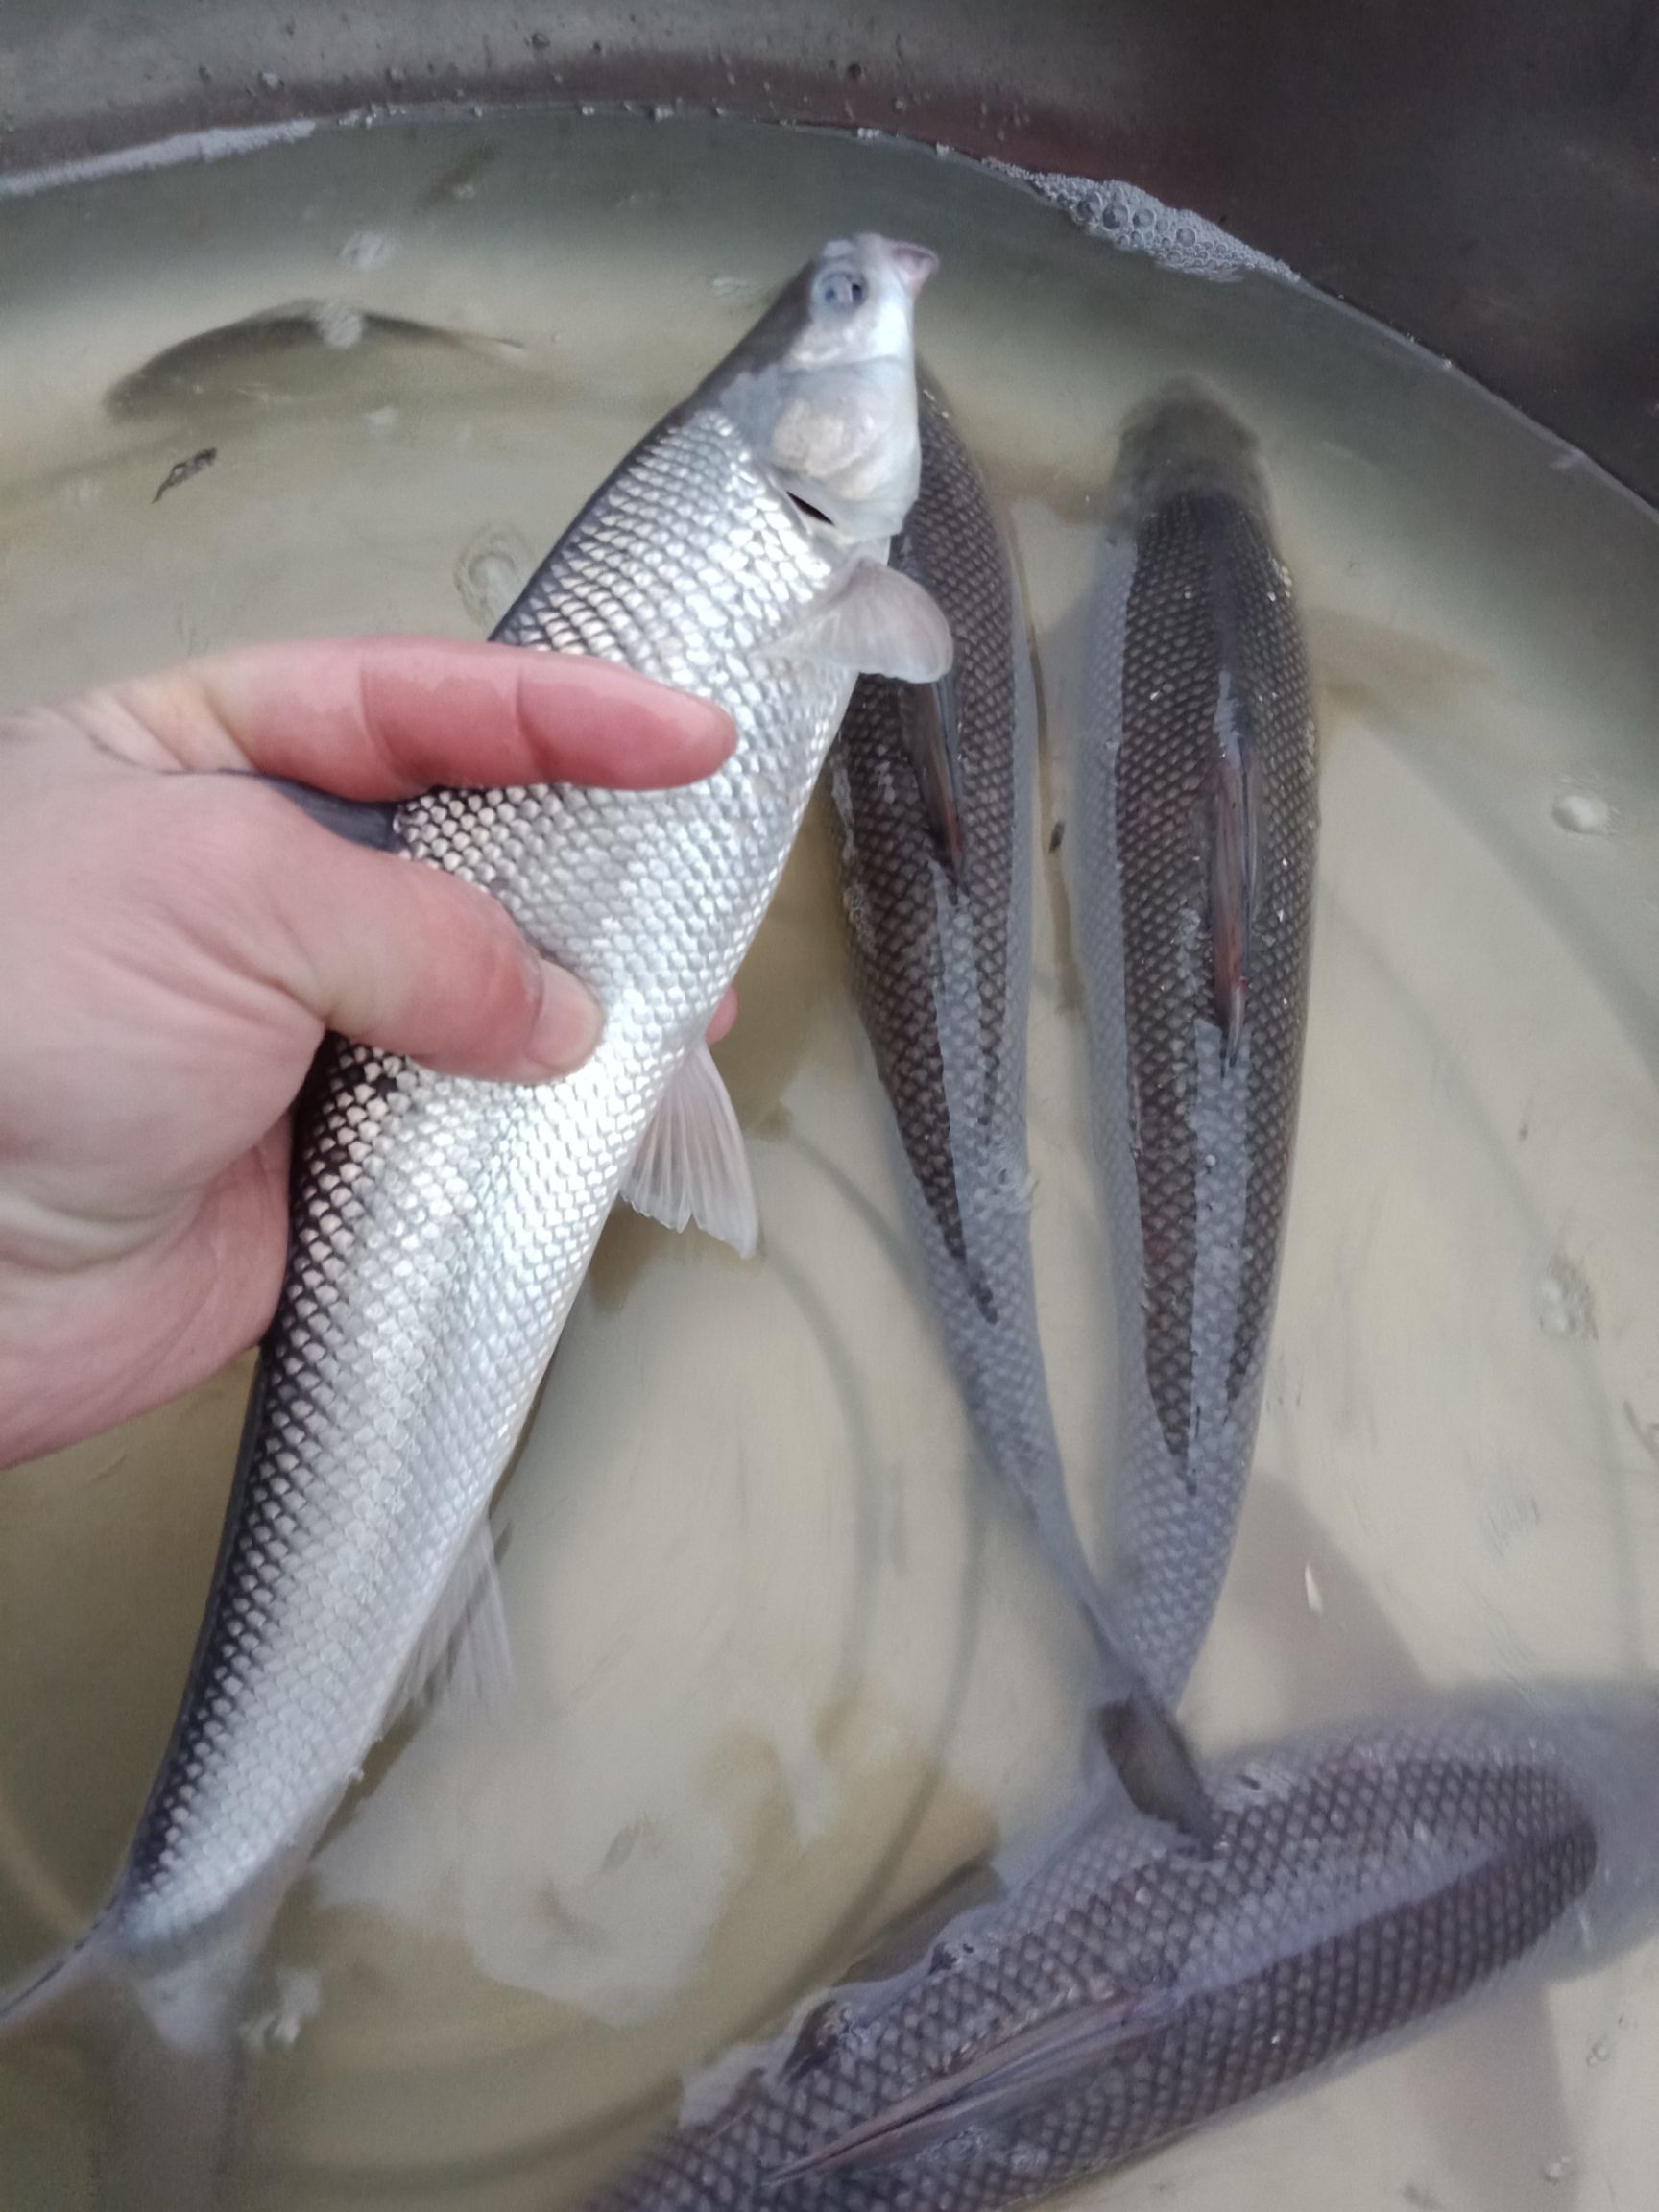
(1557,2169)
(1601,2050)
(491,570)
(1175,237)
(1584,812)
(1563,1300)
(380,419)
(337,324)
(739,288)
(368,250)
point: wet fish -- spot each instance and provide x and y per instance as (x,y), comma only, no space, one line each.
(441,1226)
(261,356)
(1192,867)
(1128,1986)
(934,790)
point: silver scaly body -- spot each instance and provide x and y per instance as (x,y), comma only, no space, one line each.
(442,1226)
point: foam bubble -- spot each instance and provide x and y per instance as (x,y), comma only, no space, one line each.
(1126,216)
(368,250)
(1584,812)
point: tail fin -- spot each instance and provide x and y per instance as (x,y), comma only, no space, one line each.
(1146,1746)
(71,1992)
(165,2041)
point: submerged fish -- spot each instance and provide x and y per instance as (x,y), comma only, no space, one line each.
(442,1226)
(1192,864)
(934,792)
(1128,1985)
(268,355)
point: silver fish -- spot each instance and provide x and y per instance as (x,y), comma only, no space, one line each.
(1126,1985)
(1193,873)
(934,792)
(442,1226)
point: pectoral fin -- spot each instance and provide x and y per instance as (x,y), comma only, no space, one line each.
(1024,2068)
(691,1165)
(929,724)
(873,620)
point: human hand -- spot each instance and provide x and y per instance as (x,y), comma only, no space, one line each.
(172,947)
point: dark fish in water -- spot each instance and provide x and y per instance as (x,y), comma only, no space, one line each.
(256,356)
(934,792)
(1192,856)
(441,1226)
(1130,1985)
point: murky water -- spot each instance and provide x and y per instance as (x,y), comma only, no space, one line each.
(787,1657)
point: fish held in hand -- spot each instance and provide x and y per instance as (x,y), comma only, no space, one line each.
(1192,874)
(442,1226)
(933,786)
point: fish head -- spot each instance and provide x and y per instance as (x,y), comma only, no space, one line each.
(1183,442)
(824,387)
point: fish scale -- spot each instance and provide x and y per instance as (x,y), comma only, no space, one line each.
(1198,643)
(1358,1882)
(442,1226)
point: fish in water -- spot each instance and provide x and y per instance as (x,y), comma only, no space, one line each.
(266,357)
(441,1227)
(1127,1985)
(1191,858)
(933,786)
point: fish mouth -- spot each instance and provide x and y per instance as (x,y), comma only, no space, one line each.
(913,264)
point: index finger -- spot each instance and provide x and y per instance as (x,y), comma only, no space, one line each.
(384,718)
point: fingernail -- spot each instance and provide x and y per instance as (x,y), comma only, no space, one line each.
(568,1022)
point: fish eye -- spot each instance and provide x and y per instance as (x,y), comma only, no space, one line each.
(840,288)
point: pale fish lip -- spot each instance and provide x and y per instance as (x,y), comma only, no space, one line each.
(915,264)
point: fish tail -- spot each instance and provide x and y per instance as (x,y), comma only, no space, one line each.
(1155,1763)
(1141,1735)
(71,1990)
(166,2047)
(175,2108)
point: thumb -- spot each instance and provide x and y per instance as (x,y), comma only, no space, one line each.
(396,955)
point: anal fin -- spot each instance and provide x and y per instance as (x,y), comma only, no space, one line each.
(929,725)
(462,1667)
